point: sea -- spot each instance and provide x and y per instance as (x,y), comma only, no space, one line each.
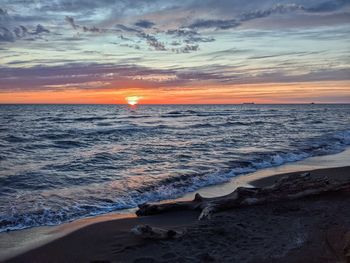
(59,163)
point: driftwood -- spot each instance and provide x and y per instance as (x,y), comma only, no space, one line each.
(148,232)
(287,188)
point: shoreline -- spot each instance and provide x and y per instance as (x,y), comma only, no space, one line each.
(45,235)
(298,225)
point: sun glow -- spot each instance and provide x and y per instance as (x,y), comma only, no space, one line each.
(133,100)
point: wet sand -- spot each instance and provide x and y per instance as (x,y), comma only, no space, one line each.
(314,229)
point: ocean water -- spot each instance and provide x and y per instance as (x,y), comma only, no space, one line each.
(63,162)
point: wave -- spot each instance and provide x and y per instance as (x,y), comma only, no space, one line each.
(201,125)
(175,112)
(83,119)
(135,117)
(171,187)
(174,115)
(104,124)
(15,139)
(63,119)
(67,144)
(245,123)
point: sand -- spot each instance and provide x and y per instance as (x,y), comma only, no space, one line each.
(313,229)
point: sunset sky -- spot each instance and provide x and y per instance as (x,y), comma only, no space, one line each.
(189,51)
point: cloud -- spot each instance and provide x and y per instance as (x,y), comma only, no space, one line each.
(329,6)
(281,9)
(73,6)
(186,49)
(6,35)
(215,23)
(182,32)
(144,24)
(11,30)
(122,37)
(39,30)
(246,16)
(277,9)
(175,43)
(70,20)
(92,29)
(77,74)
(189,35)
(194,39)
(153,42)
(128,29)
(20,32)
(134,46)
(3,14)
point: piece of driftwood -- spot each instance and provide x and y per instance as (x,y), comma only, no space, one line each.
(149,232)
(287,188)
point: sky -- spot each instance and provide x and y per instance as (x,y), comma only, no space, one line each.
(169,52)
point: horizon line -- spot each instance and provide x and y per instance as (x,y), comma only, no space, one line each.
(160,104)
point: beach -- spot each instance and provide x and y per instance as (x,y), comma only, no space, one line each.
(311,229)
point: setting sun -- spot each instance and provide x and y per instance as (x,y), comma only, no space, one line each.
(133,100)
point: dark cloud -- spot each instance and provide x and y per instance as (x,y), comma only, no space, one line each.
(3,14)
(20,32)
(39,30)
(6,35)
(40,77)
(124,38)
(186,49)
(215,23)
(153,42)
(70,20)
(193,39)
(14,30)
(128,29)
(277,9)
(189,36)
(182,32)
(246,16)
(329,6)
(92,29)
(144,24)
(223,24)
(157,45)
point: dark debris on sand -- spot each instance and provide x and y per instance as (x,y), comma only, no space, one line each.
(309,230)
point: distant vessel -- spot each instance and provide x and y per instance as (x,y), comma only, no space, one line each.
(312,103)
(248,103)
